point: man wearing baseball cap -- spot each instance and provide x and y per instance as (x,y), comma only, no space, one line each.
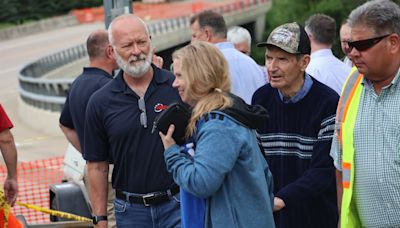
(297,136)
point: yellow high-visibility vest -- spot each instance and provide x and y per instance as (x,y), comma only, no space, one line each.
(346,116)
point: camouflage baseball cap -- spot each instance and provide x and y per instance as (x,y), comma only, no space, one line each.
(290,37)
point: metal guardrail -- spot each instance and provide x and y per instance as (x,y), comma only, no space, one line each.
(168,25)
(49,94)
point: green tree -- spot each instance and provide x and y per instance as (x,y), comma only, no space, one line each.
(9,12)
(20,11)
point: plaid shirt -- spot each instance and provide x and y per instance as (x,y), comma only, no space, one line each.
(377,156)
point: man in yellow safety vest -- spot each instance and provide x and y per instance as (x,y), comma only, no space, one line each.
(366,146)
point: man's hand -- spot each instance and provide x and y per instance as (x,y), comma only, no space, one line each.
(9,152)
(278,204)
(11,190)
(167,139)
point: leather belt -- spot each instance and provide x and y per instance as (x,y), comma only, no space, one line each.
(149,199)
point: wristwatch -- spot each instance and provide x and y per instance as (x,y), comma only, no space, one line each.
(98,218)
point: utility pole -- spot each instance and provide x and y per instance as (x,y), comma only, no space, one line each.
(114,8)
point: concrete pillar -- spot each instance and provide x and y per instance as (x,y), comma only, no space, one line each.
(114,8)
(259,26)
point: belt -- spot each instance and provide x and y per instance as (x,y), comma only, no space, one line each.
(149,199)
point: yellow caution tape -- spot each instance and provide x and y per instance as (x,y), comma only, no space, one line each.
(6,207)
(60,214)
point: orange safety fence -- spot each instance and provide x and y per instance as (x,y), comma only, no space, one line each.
(34,179)
(157,11)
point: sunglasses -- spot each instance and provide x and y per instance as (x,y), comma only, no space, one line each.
(363,45)
(142,108)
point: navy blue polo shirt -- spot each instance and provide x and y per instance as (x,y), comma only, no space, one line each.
(73,113)
(113,126)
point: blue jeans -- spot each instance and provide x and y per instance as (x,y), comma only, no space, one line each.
(163,215)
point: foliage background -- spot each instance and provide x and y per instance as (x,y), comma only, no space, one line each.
(20,11)
(284,11)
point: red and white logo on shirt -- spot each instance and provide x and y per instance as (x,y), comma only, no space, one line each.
(160,107)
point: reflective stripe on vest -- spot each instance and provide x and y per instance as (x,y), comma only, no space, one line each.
(346,118)
(346,170)
(348,86)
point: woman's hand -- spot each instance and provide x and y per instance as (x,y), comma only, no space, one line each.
(167,139)
(279,204)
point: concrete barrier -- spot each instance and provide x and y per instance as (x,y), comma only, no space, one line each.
(37,27)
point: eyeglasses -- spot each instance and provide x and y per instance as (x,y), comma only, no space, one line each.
(363,45)
(142,108)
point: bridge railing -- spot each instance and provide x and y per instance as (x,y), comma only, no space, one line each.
(46,93)
(49,94)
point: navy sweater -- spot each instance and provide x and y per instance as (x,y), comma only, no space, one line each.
(297,139)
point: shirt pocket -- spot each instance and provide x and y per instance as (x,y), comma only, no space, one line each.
(394,146)
(391,136)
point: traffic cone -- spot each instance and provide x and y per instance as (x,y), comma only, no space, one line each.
(7,218)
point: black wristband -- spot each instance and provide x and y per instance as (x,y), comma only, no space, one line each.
(97,218)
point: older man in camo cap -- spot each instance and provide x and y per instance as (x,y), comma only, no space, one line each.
(297,136)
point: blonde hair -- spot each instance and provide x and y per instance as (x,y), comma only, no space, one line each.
(206,73)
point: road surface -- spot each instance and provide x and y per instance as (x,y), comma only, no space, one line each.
(34,144)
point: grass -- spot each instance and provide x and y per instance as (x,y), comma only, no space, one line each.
(9,25)
(6,25)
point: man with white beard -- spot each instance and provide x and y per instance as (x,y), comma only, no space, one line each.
(118,127)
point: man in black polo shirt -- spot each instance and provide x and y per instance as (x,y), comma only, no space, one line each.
(119,120)
(72,119)
(101,66)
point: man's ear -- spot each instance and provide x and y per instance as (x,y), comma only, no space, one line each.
(110,51)
(310,36)
(394,40)
(208,33)
(304,61)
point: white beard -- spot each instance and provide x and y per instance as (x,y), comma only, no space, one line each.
(134,70)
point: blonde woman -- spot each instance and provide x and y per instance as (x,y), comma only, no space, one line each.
(226,167)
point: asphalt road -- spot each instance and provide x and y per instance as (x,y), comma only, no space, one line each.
(34,144)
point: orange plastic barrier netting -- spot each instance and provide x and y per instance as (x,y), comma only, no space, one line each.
(157,11)
(34,179)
